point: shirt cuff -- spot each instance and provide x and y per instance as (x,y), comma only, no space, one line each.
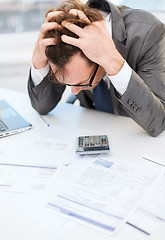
(38,75)
(121,80)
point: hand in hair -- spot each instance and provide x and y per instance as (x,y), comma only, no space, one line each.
(95,42)
(39,58)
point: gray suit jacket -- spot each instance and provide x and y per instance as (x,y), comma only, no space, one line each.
(140,38)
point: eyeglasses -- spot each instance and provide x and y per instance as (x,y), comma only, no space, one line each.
(90,82)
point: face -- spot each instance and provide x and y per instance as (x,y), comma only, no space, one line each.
(79,72)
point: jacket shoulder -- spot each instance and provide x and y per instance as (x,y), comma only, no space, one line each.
(138,15)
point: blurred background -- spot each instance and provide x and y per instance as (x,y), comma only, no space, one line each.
(20,22)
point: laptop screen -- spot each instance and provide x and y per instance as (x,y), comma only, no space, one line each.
(11,122)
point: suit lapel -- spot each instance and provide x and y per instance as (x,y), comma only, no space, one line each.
(120,39)
(118,30)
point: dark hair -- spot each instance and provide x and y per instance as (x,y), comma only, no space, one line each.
(61,53)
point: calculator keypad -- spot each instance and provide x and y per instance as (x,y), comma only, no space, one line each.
(92,144)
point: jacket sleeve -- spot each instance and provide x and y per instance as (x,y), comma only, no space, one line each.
(45,96)
(145,94)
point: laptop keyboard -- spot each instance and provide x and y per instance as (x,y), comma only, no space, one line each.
(2,127)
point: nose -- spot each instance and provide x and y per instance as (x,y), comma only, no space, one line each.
(75,90)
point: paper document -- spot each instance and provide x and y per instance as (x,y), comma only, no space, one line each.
(25,178)
(155,159)
(104,194)
(49,146)
(150,215)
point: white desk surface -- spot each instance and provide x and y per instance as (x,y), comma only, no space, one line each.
(127,140)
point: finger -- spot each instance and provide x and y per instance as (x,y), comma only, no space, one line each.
(53,15)
(80,14)
(49,42)
(70,40)
(49,26)
(72,27)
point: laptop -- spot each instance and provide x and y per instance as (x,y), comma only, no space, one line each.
(11,122)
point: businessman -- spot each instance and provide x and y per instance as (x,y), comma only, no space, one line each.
(112,57)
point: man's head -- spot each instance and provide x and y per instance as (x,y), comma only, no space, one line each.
(68,62)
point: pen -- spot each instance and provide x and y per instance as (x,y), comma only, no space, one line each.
(44,120)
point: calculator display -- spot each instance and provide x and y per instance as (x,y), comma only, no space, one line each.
(92,144)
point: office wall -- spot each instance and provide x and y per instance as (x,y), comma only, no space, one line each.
(20,22)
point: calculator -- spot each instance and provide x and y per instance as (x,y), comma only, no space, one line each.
(92,144)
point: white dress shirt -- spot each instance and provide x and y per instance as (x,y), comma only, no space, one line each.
(120,81)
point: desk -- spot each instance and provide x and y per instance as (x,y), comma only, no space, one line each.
(127,140)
